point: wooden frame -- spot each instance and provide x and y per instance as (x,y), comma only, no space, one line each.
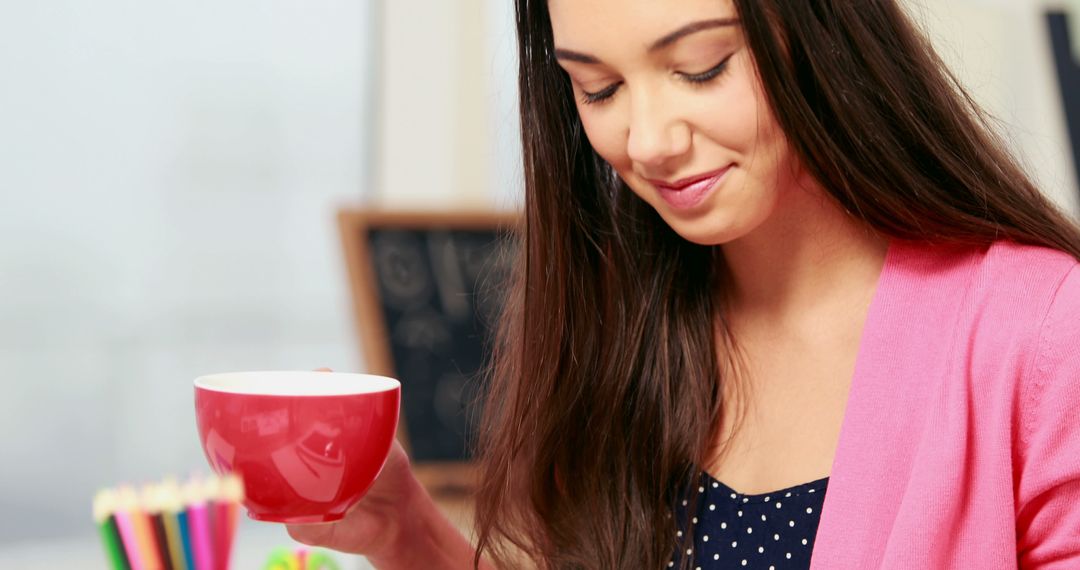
(446,479)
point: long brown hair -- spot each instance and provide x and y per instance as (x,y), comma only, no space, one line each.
(604,391)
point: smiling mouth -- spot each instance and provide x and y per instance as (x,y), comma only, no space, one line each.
(688,193)
(690,181)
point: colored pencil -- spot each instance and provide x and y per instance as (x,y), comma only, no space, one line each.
(199,525)
(228,501)
(151,504)
(185,539)
(219,527)
(217,512)
(104,505)
(115,529)
(127,503)
(170,508)
(144,533)
(161,540)
(167,526)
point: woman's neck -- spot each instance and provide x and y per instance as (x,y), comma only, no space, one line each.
(809,254)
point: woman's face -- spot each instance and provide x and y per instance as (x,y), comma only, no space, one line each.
(669,96)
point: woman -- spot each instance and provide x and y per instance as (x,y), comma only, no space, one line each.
(782,293)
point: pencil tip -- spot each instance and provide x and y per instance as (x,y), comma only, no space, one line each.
(104,504)
(232,488)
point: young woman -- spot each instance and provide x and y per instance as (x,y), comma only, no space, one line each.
(783,301)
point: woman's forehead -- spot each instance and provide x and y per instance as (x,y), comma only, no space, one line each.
(582,22)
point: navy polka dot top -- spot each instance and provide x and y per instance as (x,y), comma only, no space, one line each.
(768,531)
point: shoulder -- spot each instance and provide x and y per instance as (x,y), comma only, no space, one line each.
(1027,261)
(1023,279)
(1026,278)
(1052,381)
(1013,283)
(1046,452)
(1002,262)
(1033,294)
(1027,295)
(1001,307)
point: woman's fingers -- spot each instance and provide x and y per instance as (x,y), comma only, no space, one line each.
(311,534)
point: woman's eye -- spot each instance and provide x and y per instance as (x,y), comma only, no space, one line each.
(589,98)
(708,75)
(599,96)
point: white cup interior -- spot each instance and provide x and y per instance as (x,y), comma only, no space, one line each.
(296,383)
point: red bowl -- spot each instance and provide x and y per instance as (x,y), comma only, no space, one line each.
(308,445)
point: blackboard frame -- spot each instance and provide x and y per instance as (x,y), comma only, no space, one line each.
(441,478)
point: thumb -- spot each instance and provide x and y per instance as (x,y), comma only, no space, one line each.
(311,534)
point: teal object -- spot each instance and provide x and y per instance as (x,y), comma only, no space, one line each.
(185,539)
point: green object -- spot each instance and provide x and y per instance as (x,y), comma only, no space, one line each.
(321,561)
(110,536)
(282,558)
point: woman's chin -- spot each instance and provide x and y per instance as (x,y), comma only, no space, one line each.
(703,229)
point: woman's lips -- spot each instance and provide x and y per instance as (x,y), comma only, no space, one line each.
(689,192)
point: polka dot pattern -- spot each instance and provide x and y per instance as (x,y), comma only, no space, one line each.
(769,530)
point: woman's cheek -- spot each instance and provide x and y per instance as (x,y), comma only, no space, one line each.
(604,141)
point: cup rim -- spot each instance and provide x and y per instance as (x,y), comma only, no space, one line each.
(295,383)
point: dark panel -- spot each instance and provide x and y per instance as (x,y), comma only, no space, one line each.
(1068,71)
(439,290)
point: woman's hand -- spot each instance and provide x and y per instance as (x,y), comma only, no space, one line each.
(395,525)
(374,521)
(374,524)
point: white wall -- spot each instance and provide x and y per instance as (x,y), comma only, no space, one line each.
(1000,49)
(169,173)
(505,177)
(448,133)
(432,121)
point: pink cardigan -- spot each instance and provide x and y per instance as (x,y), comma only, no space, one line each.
(960,446)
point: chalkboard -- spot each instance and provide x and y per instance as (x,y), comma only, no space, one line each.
(1068,72)
(427,288)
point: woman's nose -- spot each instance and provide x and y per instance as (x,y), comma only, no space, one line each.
(656,134)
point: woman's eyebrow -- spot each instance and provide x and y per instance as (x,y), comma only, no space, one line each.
(667,40)
(690,29)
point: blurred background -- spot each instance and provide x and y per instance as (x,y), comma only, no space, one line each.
(170,174)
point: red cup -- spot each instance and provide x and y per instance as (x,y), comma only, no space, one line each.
(307,445)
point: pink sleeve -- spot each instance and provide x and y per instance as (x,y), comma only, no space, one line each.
(1047,470)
